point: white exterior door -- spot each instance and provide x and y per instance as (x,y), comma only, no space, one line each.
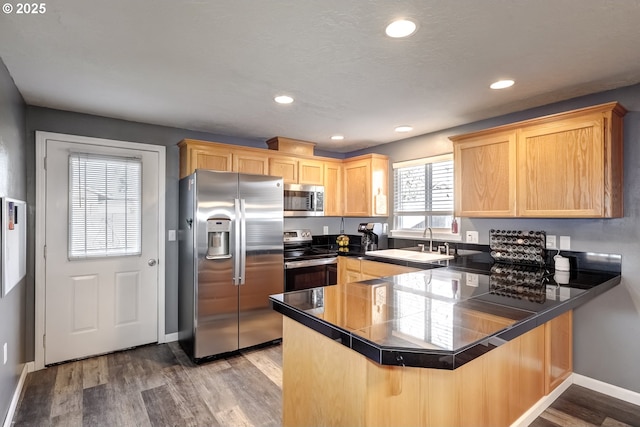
(101,283)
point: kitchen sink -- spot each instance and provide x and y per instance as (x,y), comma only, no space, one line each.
(410,254)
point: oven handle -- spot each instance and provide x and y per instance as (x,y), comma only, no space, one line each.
(309,263)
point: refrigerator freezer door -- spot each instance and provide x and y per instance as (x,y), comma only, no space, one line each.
(216,297)
(264,265)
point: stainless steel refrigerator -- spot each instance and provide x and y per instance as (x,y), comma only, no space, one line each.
(230,261)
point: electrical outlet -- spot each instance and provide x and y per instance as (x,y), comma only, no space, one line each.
(472,280)
(4,347)
(325,229)
(472,237)
(551,241)
(565,243)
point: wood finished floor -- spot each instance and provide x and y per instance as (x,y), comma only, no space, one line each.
(158,385)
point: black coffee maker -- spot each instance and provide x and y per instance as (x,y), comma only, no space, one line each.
(373,237)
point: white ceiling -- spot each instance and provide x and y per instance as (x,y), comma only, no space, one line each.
(215,66)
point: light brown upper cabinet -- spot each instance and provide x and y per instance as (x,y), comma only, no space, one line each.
(310,172)
(485,175)
(365,185)
(248,161)
(567,165)
(220,157)
(286,167)
(333,188)
(200,155)
(353,187)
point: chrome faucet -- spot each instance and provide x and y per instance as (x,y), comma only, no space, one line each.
(430,238)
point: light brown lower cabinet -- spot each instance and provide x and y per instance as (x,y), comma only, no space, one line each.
(328,384)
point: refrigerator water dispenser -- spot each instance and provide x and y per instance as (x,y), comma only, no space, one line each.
(218,238)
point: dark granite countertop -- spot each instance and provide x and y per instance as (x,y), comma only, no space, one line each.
(450,313)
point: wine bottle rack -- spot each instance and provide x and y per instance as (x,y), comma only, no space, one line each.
(517,246)
(526,282)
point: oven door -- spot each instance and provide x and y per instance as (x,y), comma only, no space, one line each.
(299,275)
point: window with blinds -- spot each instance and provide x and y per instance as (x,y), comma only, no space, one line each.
(105,199)
(423,193)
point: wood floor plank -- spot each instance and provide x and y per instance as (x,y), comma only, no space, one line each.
(610,422)
(35,404)
(541,422)
(582,411)
(606,405)
(261,360)
(67,392)
(132,409)
(234,417)
(94,371)
(162,408)
(259,398)
(195,410)
(98,407)
(68,419)
(563,419)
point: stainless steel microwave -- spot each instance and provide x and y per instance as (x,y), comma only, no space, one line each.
(303,200)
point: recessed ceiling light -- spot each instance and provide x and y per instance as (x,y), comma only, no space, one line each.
(283,99)
(337,137)
(404,128)
(401,28)
(502,84)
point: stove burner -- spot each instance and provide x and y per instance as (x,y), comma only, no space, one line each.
(302,253)
(298,246)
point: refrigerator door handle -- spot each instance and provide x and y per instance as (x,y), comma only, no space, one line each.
(243,242)
(236,232)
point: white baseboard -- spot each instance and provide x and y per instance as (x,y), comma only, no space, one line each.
(171,337)
(542,404)
(608,389)
(28,367)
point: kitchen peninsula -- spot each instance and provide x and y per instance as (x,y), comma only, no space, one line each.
(437,347)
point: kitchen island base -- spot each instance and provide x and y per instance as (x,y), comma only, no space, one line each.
(326,383)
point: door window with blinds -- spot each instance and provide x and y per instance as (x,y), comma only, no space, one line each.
(423,193)
(105,197)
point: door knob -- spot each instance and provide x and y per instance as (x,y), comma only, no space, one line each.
(151,262)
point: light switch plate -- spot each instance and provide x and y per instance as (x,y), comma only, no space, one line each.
(472,237)
(472,280)
(172,235)
(325,229)
(551,241)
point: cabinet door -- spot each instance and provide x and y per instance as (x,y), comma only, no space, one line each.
(558,350)
(285,167)
(357,188)
(561,169)
(332,189)
(310,172)
(249,162)
(485,175)
(215,159)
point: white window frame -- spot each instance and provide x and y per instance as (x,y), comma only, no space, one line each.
(131,232)
(441,233)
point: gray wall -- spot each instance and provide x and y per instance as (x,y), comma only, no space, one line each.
(607,329)
(12,184)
